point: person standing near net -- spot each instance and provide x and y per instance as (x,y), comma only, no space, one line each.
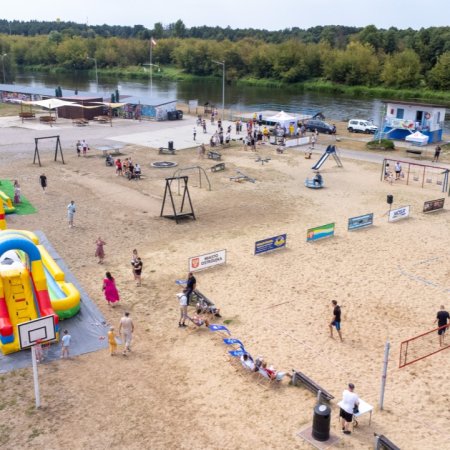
(336,320)
(443,320)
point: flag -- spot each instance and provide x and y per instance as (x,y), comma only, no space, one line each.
(152,42)
(214,327)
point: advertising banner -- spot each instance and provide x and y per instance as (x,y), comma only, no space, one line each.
(206,261)
(399,213)
(269,244)
(314,234)
(433,205)
(360,222)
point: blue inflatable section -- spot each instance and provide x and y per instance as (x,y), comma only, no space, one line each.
(20,244)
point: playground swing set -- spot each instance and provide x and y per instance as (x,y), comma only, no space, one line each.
(57,147)
(418,174)
(177,215)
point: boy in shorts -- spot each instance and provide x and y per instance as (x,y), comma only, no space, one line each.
(336,320)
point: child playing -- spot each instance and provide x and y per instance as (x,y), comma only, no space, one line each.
(112,341)
(65,341)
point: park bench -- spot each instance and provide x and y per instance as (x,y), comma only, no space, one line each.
(218,167)
(214,155)
(310,384)
(80,122)
(102,119)
(166,151)
(414,152)
(383,443)
(47,119)
(27,115)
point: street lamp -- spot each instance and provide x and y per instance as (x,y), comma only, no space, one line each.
(3,67)
(151,65)
(96,71)
(222,63)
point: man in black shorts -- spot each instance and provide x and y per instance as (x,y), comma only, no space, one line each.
(442,319)
(336,320)
(190,286)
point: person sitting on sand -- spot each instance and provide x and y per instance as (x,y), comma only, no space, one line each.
(247,362)
(318,180)
(199,321)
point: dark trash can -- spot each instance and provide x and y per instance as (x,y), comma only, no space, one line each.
(321,423)
(170,145)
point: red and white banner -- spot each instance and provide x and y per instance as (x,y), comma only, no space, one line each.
(153,42)
(206,261)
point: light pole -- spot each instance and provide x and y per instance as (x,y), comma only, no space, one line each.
(222,63)
(96,71)
(3,67)
(151,65)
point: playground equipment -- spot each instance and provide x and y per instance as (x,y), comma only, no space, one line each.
(262,160)
(7,203)
(57,147)
(29,290)
(415,173)
(315,183)
(331,150)
(242,177)
(177,174)
(3,225)
(177,215)
(218,167)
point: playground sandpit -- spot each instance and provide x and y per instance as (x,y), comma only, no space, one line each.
(177,388)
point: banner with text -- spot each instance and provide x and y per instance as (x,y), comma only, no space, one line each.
(269,244)
(399,213)
(208,260)
(314,234)
(433,205)
(360,222)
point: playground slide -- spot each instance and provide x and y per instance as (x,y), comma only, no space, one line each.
(7,203)
(319,163)
(64,296)
(16,306)
(23,291)
(3,225)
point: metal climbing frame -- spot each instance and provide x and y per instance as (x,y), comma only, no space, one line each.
(178,173)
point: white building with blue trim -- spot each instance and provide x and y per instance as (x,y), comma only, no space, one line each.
(405,118)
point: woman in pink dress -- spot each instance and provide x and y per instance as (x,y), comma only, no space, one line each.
(110,290)
(99,251)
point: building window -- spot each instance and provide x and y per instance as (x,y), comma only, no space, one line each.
(400,113)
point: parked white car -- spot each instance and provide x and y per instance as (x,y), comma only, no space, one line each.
(361,126)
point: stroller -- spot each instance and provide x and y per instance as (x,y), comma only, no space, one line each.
(109,161)
(205,306)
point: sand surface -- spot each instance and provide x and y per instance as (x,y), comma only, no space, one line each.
(178,389)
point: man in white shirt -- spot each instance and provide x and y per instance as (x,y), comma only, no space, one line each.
(183,299)
(71,209)
(126,326)
(65,344)
(349,401)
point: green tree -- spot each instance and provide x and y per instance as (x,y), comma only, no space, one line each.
(439,75)
(158,30)
(179,29)
(402,70)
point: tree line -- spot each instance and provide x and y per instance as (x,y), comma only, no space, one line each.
(352,56)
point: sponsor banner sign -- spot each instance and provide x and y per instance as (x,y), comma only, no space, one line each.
(399,213)
(324,231)
(208,260)
(269,244)
(433,205)
(360,221)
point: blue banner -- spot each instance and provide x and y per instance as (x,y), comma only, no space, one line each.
(269,244)
(360,221)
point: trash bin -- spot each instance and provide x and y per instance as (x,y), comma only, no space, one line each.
(170,145)
(321,423)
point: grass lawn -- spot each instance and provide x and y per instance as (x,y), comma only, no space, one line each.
(24,207)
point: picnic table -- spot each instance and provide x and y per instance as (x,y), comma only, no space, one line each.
(47,119)
(102,119)
(109,149)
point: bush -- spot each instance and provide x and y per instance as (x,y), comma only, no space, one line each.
(383,144)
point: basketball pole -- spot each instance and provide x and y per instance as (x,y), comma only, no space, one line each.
(35,377)
(384,374)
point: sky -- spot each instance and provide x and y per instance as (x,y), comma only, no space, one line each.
(259,14)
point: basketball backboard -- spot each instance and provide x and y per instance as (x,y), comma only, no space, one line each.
(42,329)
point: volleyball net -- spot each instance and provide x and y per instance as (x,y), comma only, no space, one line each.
(424,345)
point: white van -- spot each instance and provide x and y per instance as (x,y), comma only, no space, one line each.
(362,126)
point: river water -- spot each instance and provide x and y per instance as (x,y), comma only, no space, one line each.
(242,98)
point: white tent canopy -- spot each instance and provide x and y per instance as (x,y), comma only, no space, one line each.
(282,117)
(52,103)
(417,138)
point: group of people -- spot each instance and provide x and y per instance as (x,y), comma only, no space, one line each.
(128,169)
(126,330)
(389,175)
(82,146)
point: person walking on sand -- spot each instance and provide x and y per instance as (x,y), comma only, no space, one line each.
(437,152)
(137,270)
(190,286)
(43,182)
(65,344)
(336,320)
(127,327)
(349,406)
(110,290)
(99,250)
(85,147)
(183,299)
(78,147)
(398,170)
(112,341)
(194,132)
(71,210)
(443,320)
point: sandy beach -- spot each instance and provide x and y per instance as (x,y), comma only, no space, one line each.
(178,388)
